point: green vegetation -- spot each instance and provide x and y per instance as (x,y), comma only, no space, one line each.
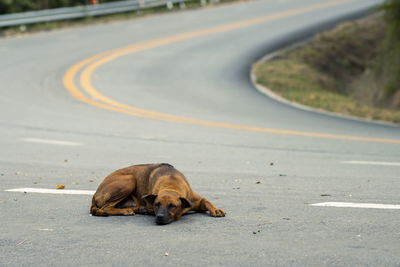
(388,70)
(46,26)
(353,69)
(12,6)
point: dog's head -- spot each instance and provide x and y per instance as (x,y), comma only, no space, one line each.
(168,206)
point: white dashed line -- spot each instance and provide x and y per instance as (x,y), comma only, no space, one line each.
(382,163)
(51,142)
(52,191)
(357,205)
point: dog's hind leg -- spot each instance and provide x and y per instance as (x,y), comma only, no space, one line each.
(106,199)
(117,211)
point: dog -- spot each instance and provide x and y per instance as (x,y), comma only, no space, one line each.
(157,189)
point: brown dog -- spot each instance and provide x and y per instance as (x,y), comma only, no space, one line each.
(157,189)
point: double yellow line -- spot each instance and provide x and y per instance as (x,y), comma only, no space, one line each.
(84,69)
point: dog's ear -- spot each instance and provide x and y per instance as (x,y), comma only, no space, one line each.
(150,198)
(185,203)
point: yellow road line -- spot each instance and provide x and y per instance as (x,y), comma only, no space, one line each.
(89,65)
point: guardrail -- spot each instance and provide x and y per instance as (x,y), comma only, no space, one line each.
(84,11)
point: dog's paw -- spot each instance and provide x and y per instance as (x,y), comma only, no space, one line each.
(217,213)
(128,212)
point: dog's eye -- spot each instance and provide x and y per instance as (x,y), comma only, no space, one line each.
(171,206)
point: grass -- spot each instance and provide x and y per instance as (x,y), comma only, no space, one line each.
(335,71)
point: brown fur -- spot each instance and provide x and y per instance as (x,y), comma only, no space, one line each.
(158,189)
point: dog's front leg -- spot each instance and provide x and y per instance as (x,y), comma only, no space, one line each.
(201,204)
(214,211)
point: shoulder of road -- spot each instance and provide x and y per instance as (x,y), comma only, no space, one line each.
(337,71)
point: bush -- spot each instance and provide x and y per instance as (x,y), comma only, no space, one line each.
(389,67)
(13,6)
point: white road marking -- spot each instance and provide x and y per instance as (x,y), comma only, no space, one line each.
(357,205)
(52,142)
(383,163)
(52,191)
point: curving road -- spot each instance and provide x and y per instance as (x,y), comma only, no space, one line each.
(79,103)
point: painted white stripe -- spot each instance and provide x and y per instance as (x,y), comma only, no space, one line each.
(357,205)
(52,142)
(372,163)
(52,191)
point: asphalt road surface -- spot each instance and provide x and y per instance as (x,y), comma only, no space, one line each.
(79,103)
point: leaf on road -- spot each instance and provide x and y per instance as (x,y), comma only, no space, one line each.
(21,242)
(61,186)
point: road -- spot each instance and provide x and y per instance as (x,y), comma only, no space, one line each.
(79,103)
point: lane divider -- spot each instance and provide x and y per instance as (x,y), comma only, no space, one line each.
(83,71)
(91,193)
(378,163)
(357,205)
(51,142)
(52,191)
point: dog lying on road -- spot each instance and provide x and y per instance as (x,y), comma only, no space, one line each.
(157,189)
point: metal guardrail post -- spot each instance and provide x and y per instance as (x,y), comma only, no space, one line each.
(170,5)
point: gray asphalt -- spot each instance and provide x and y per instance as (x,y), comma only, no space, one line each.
(265,182)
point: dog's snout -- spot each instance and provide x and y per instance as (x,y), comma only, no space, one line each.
(161,218)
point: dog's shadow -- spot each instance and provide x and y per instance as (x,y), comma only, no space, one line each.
(146,219)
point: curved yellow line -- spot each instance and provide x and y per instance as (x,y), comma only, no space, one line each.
(89,65)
